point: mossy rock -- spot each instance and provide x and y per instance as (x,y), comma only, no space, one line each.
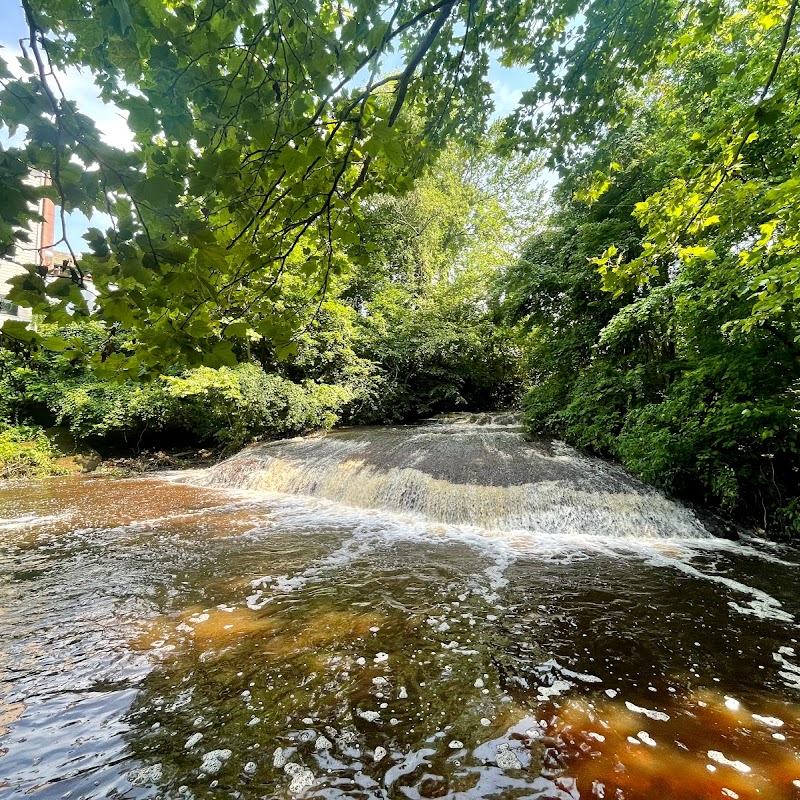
(79,462)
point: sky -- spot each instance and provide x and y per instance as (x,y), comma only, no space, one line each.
(508,85)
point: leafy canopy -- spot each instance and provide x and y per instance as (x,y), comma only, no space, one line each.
(261,128)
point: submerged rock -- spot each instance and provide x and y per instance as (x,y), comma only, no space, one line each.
(146,776)
(214,761)
(302,777)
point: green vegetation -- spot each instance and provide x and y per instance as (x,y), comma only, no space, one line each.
(405,334)
(659,309)
(300,238)
(26,451)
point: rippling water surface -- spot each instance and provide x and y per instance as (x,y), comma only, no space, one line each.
(164,638)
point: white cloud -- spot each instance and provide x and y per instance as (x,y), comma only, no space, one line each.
(505,98)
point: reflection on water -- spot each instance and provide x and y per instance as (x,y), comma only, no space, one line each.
(168,640)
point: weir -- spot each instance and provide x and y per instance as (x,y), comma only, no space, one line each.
(462,469)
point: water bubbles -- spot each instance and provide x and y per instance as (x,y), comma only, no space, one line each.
(649,713)
(770,722)
(146,776)
(279,758)
(506,758)
(719,758)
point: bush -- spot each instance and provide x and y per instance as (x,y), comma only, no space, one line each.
(234,405)
(225,406)
(25,451)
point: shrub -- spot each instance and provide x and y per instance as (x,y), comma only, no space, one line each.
(25,451)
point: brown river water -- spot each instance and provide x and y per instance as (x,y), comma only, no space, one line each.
(440,611)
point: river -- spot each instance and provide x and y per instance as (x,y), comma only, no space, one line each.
(446,610)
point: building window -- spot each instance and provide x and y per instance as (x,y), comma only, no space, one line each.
(8,308)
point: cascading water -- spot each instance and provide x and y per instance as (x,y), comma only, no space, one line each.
(462,469)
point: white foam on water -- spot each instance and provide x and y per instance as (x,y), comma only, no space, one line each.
(660,716)
(788,671)
(32,520)
(760,604)
(214,760)
(370,531)
(719,758)
(645,737)
(302,777)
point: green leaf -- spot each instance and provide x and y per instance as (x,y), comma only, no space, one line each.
(124,13)
(54,343)
(285,351)
(158,191)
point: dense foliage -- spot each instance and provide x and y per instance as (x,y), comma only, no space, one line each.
(682,356)
(26,451)
(261,132)
(406,333)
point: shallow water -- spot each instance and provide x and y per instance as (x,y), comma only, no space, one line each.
(332,651)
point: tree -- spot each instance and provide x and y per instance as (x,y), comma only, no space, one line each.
(732,204)
(667,357)
(262,128)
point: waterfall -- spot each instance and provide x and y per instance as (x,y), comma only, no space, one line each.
(462,469)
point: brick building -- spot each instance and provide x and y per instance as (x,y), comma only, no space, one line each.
(36,251)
